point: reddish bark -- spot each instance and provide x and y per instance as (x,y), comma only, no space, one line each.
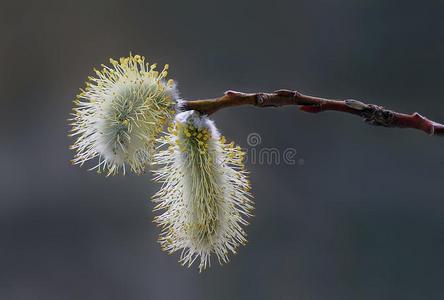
(371,113)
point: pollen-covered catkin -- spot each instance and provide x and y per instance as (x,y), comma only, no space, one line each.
(205,197)
(120,113)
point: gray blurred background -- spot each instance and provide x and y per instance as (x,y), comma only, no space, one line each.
(361,218)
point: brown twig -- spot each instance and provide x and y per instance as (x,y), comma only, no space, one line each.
(372,114)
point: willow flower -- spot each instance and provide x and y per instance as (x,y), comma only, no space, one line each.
(205,196)
(120,113)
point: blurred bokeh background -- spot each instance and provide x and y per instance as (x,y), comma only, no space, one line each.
(361,218)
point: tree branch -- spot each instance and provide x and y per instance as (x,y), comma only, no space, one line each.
(371,113)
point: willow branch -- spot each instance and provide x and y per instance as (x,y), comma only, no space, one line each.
(371,113)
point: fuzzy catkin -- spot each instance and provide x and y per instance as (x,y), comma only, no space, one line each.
(120,114)
(205,197)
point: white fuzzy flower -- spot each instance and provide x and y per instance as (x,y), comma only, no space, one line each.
(205,195)
(120,114)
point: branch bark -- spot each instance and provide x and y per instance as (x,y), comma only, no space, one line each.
(371,113)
